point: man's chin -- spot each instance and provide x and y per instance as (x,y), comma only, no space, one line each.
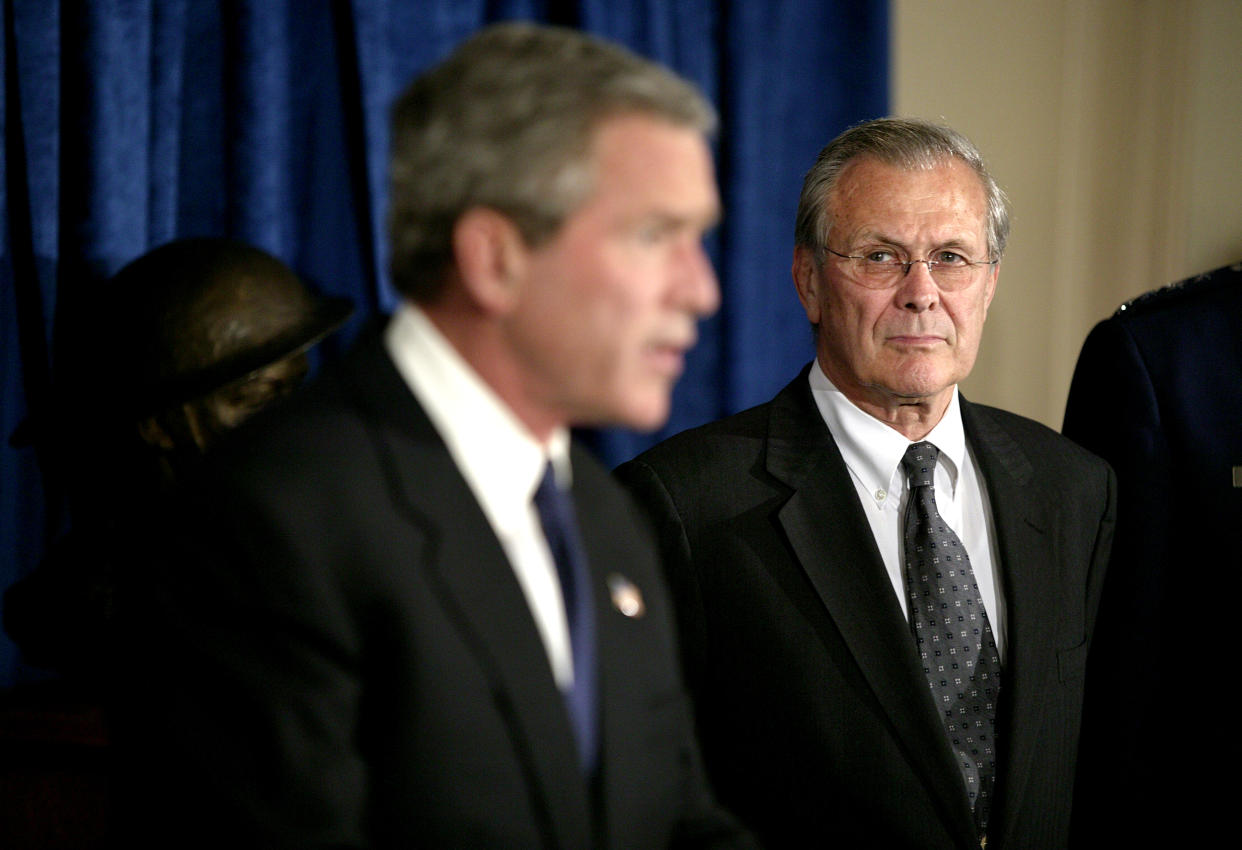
(647,421)
(645,414)
(637,412)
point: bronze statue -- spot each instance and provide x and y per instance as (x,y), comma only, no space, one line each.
(179,346)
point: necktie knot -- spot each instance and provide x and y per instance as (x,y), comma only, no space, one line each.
(919,463)
(552,502)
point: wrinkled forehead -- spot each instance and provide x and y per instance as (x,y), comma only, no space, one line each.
(876,195)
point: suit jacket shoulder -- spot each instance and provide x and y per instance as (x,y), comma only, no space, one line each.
(1217,289)
(1157,391)
(1034,453)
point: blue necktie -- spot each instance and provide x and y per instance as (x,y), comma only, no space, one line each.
(556,515)
(952,631)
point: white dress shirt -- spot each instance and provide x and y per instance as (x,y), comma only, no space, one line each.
(501,461)
(873,451)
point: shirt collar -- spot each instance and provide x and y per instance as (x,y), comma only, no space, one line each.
(498,456)
(871,448)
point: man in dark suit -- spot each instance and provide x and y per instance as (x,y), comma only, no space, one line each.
(381,624)
(1158,394)
(839,701)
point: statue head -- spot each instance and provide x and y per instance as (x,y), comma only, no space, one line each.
(206,333)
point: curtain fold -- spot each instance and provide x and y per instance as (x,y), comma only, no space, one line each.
(128,123)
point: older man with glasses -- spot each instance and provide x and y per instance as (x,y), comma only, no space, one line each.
(886,593)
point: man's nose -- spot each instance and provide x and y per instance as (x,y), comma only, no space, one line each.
(697,286)
(918,290)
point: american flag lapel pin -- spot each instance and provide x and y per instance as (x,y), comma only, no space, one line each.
(626,597)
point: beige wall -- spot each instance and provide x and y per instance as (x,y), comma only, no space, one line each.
(1116,128)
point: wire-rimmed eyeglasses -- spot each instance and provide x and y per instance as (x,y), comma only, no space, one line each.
(880,269)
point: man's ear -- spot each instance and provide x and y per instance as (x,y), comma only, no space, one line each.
(806,280)
(491,258)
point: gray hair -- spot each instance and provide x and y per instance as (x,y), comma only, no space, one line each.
(908,143)
(507,122)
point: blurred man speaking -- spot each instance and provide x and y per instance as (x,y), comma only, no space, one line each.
(407,610)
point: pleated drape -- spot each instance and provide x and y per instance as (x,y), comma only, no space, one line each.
(128,123)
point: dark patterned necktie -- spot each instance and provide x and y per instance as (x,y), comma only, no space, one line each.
(952,631)
(560,528)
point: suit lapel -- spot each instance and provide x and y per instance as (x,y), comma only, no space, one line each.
(1020,515)
(832,540)
(479,590)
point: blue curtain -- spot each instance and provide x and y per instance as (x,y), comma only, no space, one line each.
(127,123)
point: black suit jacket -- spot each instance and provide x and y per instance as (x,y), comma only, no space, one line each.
(815,719)
(1158,393)
(342,655)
